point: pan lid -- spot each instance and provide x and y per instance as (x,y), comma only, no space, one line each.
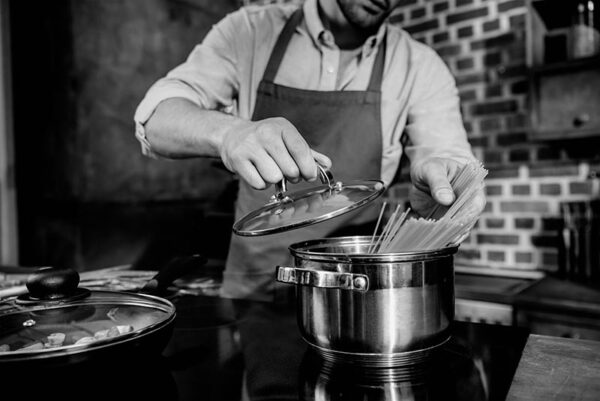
(57,318)
(291,210)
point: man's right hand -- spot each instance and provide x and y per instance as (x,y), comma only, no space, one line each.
(264,152)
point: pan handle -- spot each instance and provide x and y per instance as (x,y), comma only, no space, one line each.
(323,279)
(176,268)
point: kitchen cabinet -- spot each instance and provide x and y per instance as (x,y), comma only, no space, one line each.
(542,305)
(564,64)
(486,298)
(560,324)
(468,310)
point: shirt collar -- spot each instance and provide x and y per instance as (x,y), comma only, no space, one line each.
(313,22)
(323,37)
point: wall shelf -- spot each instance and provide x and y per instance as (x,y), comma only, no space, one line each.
(567,66)
(564,99)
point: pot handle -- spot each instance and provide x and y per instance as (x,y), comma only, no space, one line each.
(322,279)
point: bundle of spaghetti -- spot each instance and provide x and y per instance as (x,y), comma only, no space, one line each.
(389,231)
(401,234)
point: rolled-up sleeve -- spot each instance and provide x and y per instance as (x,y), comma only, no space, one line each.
(435,125)
(207,78)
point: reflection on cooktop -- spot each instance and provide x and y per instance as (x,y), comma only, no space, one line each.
(134,376)
(478,363)
(451,376)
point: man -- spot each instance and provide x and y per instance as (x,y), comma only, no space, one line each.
(275,90)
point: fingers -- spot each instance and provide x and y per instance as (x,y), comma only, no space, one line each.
(300,152)
(421,202)
(433,174)
(321,159)
(264,152)
(246,170)
(258,169)
(269,170)
(462,238)
(277,151)
(477,203)
(432,191)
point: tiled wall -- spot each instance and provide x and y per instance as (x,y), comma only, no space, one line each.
(484,44)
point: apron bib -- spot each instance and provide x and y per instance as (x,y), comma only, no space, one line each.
(344,125)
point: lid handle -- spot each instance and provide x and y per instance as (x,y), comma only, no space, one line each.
(281,187)
(50,284)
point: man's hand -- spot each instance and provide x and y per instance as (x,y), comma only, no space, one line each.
(264,152)
(431,186)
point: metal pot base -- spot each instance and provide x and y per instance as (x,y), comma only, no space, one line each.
(377,360)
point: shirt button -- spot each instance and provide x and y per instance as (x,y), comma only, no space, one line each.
(330,69)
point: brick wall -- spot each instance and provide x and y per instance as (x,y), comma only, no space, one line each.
(483,42)
(484,45)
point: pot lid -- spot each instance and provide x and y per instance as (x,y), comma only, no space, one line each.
(57,318)
(290,210)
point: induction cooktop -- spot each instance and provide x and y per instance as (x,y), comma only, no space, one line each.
(223,349)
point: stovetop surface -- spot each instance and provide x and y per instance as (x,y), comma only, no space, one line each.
(223,349)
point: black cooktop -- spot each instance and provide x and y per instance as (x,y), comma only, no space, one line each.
(223,349)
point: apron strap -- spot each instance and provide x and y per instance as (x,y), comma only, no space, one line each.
(284,39)
(281,45)
(378,66)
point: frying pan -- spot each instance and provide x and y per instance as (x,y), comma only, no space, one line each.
(59,323)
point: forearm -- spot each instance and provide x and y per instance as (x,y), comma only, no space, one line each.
(179,128)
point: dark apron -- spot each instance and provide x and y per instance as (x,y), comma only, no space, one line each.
(344,125)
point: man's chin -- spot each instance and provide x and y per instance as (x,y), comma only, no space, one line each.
(367,20)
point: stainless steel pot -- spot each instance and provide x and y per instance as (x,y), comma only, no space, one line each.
(371,310)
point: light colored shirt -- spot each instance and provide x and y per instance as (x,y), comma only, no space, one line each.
(419,94)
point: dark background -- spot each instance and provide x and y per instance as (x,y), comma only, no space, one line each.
(87,197)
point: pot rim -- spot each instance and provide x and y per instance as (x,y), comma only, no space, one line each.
(305,250)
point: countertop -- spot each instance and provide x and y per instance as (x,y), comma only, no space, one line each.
(554,368)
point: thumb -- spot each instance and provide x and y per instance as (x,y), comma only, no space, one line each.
(434,175)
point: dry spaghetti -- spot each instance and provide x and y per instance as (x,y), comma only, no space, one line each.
(443,226)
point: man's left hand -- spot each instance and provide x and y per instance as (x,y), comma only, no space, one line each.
(431,186)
